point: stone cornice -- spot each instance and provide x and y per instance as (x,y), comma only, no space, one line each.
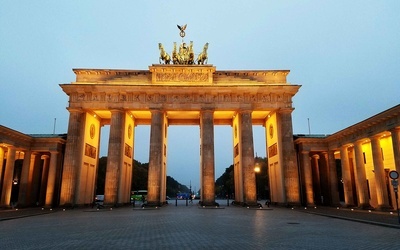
(369,128)
(180,74)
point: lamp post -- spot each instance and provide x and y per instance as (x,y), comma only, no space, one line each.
(257,170)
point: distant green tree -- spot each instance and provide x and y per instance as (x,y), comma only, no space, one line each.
(174,187)
(139,175)
(225,184)
(139,178)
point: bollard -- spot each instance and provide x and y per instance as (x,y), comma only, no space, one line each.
(176,202)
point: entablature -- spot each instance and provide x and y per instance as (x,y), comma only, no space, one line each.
(166,74)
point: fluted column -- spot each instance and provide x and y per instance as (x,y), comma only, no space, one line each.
(396,147)
(288,156)
(1,163)
(247,157)
(308,181)
(346,176)
(316,178)
(72,157)
(361,177)
(155,158)
(207,157)
(43,182)
(51,179)
(24,186)
(35,179)
(379,170)
(8,178)
(115,156)
(333,179)
(324,178)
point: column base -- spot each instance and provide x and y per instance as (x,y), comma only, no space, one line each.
(152,204)
(384,208)
(208,204)
(366,206)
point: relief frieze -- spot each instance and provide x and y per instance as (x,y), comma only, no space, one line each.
(181,77)
(131,97)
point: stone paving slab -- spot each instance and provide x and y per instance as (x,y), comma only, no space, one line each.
(190,227)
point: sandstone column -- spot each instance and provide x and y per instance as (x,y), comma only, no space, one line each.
(72,157)
(316,178)
(23,197)
(324,178)
(396,147)
(43,182)
(361,177)
(289,161)
(247,156)
(381,191)
(346,176)
(115,157)
(8,178)
(51,179)
(333,179)
(156,158)
(1,163)
(35,179)
(308,181)
(207,158)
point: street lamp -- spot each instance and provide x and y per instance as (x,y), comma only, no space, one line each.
(257,170)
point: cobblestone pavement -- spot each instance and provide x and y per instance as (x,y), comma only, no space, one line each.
(193,227)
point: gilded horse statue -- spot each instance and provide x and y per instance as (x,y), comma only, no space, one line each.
(191,54)
(202,58)
(175,55)
(163,55)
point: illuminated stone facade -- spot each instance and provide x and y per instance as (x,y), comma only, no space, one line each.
(166,95)
(30,168)
(362,154)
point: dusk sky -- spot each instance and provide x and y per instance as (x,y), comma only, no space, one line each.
(345,54)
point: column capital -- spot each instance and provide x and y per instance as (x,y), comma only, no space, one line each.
(394,130)
(45,156)
(285,110)
(305,152)
(315,156)
(117,110)
(75,110)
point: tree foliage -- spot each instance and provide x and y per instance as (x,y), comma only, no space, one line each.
(224,185)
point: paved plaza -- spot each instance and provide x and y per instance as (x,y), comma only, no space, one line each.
(193,227)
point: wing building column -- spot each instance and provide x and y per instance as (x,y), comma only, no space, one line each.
(381,191)
(308,182)
(51,179)
(8,178)
(207,158)
(333,179)
(23,197)
(316,178)
(361,177)
(1,163)
(346,176)
(396,147)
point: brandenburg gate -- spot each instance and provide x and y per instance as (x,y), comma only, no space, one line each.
(180,90)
